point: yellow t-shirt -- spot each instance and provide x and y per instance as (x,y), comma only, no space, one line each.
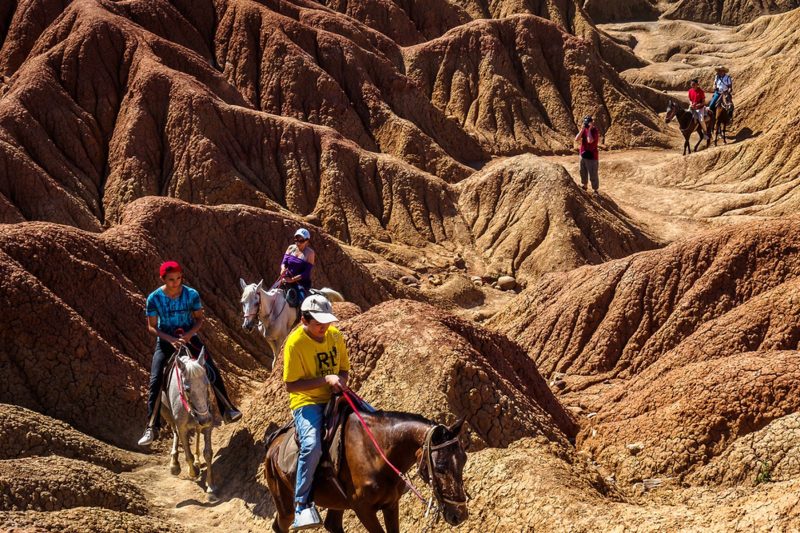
(305,358)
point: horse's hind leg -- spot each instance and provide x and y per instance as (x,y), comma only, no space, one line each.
(174,465)
(333,521)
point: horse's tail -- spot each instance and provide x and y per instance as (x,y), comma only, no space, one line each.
(331,294)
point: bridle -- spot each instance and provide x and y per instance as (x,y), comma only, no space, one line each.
(256,306)
(672,110)
(267,312)
(182,391)
(427,456)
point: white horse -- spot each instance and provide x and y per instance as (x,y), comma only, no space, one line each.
(273,314)
(186,405)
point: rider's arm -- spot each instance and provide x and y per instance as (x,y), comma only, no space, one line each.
(305,384)
(289,251)
(152,327)
(198,321)
(578,136)
(344,360)
(310,258)
(335,381)
(589,136)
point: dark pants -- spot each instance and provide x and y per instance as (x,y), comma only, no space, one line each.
(163,352)
(589,172)
(300,293)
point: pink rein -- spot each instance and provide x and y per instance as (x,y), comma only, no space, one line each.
(346,392)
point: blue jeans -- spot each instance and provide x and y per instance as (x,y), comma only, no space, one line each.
(308,422)
(713,104)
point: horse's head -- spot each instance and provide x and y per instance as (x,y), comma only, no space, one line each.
(195,388)
(727,99)
(251,303)
(442,466)
(672,109)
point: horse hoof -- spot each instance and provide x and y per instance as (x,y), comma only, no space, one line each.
(211,489)
(175,470)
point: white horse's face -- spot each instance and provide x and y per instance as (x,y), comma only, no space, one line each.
(251,303)
(197,389)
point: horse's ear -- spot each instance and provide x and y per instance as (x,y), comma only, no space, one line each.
(457,427)
(242,284)
(201,359)
(260,283)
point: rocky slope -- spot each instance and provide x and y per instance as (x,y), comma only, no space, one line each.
(85,359)
(528,217)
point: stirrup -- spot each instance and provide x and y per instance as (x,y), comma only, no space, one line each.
(306,519)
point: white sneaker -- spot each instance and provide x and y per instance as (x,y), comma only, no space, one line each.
(147,438)
(306,519)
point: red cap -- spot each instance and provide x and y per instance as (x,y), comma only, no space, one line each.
(167,267)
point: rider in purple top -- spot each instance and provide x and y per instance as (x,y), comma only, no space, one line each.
(297,264)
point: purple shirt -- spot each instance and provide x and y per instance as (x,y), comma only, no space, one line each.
(297,266)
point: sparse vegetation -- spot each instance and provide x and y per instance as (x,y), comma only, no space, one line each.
(764,472)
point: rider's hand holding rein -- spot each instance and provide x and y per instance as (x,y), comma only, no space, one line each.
(337,382)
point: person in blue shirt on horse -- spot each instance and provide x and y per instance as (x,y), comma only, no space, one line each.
(296,266)
(723,83)
(174,315)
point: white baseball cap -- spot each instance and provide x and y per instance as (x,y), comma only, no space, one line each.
(320,309)
(302,232)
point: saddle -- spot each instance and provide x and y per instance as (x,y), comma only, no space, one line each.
(337,410)
(293,297)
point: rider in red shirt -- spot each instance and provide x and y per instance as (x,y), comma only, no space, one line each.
(697,100)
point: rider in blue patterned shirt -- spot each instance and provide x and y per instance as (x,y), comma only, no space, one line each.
(174,315)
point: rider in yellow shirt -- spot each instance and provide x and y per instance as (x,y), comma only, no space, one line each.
(315,364)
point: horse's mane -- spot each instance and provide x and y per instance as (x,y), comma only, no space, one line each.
(192,367)
(402,416)
(247,292)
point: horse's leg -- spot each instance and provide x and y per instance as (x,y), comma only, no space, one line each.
(207,456)
(333,521)
(273,346)
(686,145)
(187,450)
(391,517)
(282,493)
(700,131)
(369,519)
(174,465)
(197,450)
(281,523)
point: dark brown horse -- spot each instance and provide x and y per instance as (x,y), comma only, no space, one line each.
(369,484)
(688,125)
(722,117)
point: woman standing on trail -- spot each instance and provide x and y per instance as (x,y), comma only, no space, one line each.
(297,264)
(589,137)
(174,315)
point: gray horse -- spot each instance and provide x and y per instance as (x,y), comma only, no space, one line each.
(186,406)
